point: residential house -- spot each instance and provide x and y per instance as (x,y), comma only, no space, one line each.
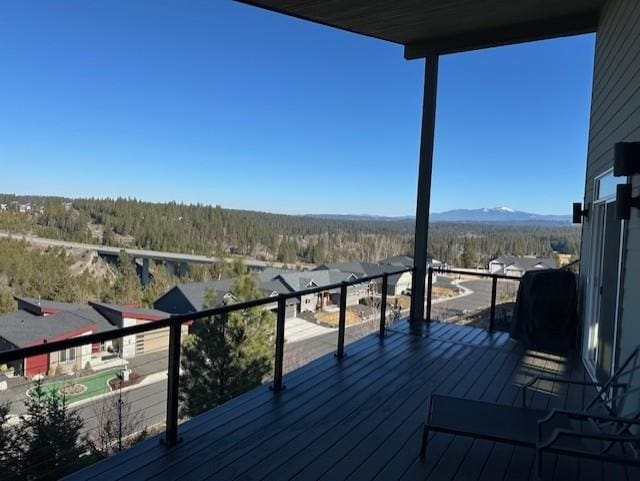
(24,328)
(296,281)
(196,296)
(517,266)
(136,344)
(397,284)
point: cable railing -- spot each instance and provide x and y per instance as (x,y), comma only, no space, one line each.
(472,307)
(174,345)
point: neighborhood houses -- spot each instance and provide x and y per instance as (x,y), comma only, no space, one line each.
(517,266)
(40,321)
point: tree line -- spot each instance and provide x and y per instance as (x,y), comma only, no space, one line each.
(213,230)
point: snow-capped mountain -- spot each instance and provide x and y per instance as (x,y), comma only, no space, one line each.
(495,214)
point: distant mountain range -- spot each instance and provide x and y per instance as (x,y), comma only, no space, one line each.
(495,214)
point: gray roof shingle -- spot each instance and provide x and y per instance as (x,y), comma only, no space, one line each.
(22,328)
(525,263)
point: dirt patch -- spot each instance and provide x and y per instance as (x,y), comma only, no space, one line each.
(403,301)
(71,389)
(439,292)
(116,383)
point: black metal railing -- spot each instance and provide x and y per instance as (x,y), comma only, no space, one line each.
(494,288)
(175,323)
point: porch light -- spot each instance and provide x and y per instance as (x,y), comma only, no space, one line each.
(579,213)
(625,201)
(626,158)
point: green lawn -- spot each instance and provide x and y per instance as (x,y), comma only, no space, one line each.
(95,384)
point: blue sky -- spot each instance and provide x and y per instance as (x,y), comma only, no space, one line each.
(221,103)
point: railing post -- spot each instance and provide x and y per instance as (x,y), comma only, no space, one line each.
(173,383)
(342,321)
(429,286)
(492,318)
(383,304)
(279,359)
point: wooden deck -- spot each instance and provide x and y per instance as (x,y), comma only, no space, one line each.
(361,418)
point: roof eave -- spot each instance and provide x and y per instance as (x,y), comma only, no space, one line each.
(541,29)
(506,35)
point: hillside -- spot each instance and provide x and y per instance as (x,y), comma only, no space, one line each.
(206,229)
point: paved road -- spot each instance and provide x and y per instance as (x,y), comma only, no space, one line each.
(145,253)
(480,297)
(147,402)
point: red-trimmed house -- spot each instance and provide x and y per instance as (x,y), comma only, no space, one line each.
(125,316)
(43,307)
(24,329)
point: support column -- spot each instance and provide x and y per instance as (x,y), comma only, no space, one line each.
(424,188)
(184,269)
(145,271)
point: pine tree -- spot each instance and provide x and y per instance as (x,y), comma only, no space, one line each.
(126,288)
(7,304)
(226,355)
(469,255)
(51,436)
(9,455)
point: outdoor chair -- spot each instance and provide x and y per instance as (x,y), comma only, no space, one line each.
(596,432)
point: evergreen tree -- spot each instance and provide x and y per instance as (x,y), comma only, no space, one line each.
(226,355)
(469,255)
(50,433)
(160,283)
(9,456)
(126,289)
(7,304)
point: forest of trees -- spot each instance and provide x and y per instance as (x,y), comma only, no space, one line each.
(212,230)
(49,274)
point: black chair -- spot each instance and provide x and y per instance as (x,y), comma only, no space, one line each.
(595,432)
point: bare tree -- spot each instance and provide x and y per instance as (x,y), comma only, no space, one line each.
(118,425)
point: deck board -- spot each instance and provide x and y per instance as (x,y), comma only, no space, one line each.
(360,418)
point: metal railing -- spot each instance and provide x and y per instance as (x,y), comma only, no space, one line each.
(494,287)
(175,322)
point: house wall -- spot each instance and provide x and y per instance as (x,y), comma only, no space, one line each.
(308,302)
(513,271)
(151,341)
(82,357)
(495,266)
(403,283)
(173,302)
(36,365)
(615,117)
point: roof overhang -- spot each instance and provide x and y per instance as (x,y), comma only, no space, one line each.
(427,27)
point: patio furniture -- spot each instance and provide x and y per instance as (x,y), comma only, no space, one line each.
(597,432)
(545,316)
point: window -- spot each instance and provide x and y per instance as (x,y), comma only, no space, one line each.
(67,356)
(606,186)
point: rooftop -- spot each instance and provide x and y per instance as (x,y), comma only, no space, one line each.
(360,418)
(23,328)
(44,306)
(131,311)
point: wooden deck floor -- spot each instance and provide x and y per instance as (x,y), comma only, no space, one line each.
(361,418)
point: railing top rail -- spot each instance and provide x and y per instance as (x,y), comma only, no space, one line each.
(49,347)
(477,274)
(571,264)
